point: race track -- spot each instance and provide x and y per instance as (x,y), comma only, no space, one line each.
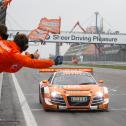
(115,80)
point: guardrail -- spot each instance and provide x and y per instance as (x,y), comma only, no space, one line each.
(99,63)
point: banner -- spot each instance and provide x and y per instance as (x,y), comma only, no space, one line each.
(50,25)
(66,37)
(38,35)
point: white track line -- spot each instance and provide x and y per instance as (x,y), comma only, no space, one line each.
(37,109)
(29,118)
(1,80)
(35,94)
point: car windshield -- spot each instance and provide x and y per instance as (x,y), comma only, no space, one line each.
(73,79)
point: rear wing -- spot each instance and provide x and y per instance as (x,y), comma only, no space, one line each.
(90,70)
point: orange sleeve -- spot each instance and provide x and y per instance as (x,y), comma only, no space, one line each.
(13,70)
(26,61)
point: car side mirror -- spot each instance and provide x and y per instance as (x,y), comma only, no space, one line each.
(45,82)
(101,81)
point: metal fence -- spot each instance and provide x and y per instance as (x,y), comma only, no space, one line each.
(118,57)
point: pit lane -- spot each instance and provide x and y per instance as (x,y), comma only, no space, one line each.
(115,80)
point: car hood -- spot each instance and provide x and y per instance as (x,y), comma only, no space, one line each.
(76,89)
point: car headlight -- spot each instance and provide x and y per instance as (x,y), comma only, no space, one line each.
(56,95)
(99,94)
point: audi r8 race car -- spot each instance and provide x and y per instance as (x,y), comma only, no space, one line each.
(72,89)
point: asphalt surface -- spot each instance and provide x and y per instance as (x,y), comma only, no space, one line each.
(12,115)
(10,110)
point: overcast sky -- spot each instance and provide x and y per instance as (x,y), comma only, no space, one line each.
(26,14)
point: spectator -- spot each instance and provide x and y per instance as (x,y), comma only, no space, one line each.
(11,59)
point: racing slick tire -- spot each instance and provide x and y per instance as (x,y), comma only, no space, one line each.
(40,97)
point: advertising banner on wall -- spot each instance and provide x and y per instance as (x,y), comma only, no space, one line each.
(67,37)
(76,37)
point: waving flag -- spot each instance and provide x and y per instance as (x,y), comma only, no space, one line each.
(50,25)
(38,35)
(5,3)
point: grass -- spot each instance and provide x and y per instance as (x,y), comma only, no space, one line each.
(102,66)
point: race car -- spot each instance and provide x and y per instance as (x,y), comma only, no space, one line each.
(72,89)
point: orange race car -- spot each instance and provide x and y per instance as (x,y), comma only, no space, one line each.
(72,89)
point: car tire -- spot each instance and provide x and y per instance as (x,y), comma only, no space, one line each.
(40,99)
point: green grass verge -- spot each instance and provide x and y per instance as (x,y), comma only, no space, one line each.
(102,66)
